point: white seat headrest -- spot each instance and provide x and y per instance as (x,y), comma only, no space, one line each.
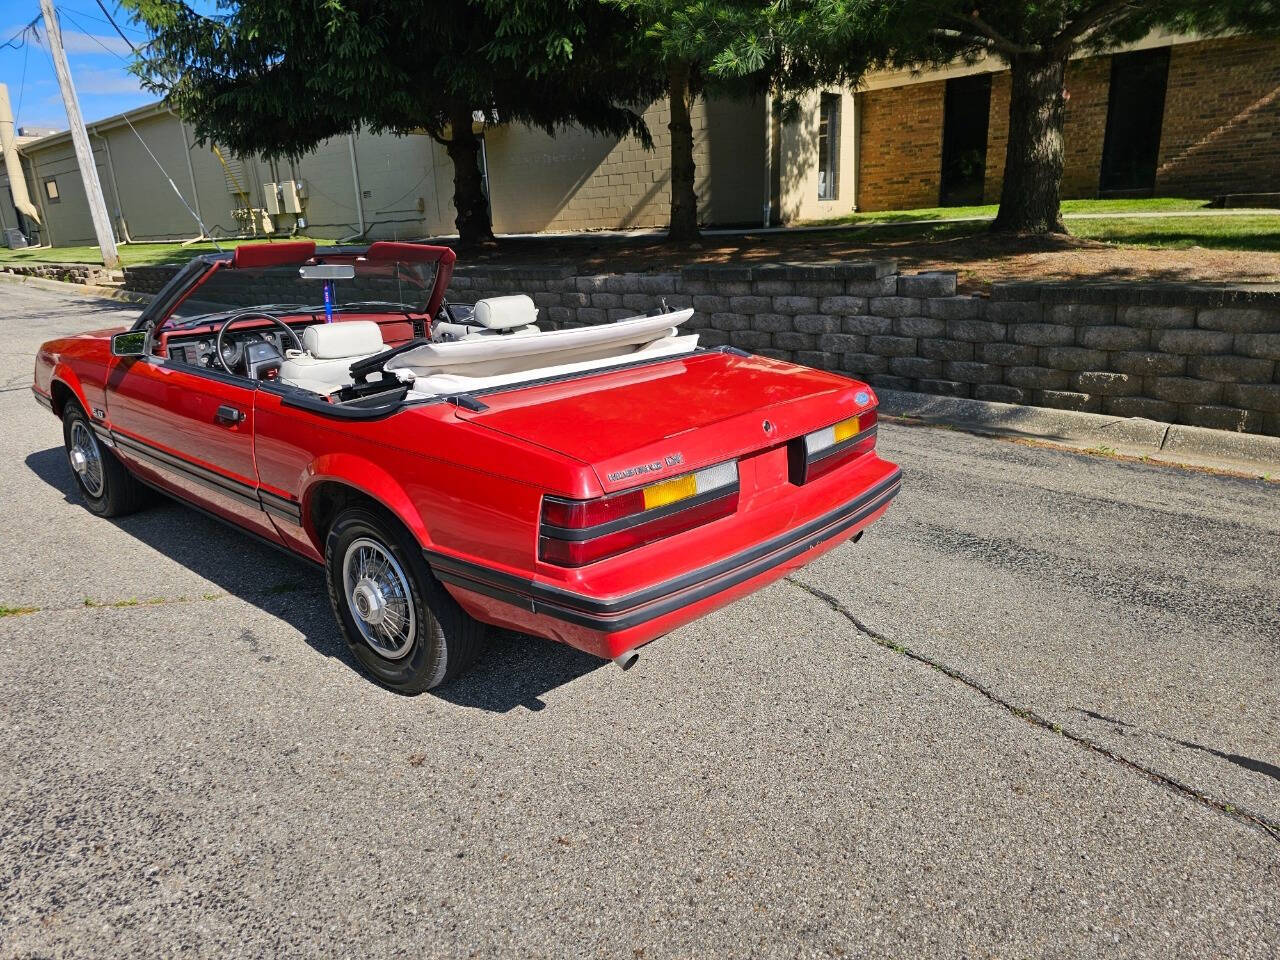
(504,313)
(346,338)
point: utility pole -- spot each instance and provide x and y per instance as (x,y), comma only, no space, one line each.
(80,137)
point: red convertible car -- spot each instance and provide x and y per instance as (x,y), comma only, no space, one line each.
(455,466)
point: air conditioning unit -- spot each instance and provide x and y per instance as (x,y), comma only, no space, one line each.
(271,198)
(293,193)
(13,238)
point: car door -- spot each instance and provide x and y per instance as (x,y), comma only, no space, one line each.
(190,430)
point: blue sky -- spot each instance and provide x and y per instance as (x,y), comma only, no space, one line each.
(97,55)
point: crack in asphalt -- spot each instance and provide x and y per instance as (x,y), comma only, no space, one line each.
(1266,825)
(129,603)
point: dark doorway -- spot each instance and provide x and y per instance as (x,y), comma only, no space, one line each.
(1135,111)
(966,110)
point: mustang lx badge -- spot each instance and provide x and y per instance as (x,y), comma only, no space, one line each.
(674,460)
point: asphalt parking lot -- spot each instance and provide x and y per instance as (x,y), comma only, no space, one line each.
(1035,712)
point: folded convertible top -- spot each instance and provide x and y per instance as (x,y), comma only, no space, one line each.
(489,355)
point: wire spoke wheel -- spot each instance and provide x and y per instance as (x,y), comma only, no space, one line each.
(380,598)
(86,458)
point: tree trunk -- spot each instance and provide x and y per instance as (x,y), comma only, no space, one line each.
(1030,200)
(469,199)
(684,202)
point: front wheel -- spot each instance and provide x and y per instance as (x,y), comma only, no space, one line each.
(108,488)
(398,621)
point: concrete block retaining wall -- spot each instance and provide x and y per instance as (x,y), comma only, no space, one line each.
(66,272)
(1181,353)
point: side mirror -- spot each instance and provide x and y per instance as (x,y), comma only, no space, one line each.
(131,343)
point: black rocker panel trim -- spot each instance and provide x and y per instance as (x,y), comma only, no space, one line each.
(279,506)
(244,493)
(216,482)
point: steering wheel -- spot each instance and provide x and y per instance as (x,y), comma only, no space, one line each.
(251,315)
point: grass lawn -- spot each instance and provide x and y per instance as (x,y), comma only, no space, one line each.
(988,210)
(1245,232)
(131,254)
(1165,229)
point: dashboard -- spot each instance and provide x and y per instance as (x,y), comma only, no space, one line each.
(201,349)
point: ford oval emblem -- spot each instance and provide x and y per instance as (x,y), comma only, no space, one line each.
(862,397)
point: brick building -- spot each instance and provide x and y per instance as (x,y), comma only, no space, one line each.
(1171,116)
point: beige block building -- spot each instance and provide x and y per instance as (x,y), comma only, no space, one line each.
(384,186)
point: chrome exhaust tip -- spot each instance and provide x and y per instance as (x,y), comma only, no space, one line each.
(626,660)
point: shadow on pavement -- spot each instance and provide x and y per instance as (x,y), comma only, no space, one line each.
(1247,763)
(515,671)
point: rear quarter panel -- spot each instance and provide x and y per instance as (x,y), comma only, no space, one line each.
(457,487)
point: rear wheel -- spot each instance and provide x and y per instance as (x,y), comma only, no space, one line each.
(399,622)
(108,488)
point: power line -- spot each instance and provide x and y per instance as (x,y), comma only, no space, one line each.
(112,21)
(98,19)
(21,36)
(80,28)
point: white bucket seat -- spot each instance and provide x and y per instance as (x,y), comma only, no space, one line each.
(329,349)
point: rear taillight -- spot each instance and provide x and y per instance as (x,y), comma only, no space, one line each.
(577,532)
(823,450)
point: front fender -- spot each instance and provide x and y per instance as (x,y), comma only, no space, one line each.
(364,476)
(63,373)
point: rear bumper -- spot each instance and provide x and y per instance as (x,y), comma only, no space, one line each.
(609,626)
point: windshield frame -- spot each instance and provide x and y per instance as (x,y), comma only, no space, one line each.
(248,256)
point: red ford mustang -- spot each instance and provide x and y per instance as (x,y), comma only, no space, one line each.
(453,465)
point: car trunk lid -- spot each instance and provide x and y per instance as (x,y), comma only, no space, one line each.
(669,417)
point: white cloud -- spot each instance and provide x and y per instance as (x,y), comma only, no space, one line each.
(76,42)
(94,81)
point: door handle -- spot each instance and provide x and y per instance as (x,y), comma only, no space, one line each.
(229,415)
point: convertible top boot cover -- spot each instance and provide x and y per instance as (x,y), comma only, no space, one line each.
(490,356)
(330,349)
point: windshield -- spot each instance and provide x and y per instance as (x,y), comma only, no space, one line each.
(382,286)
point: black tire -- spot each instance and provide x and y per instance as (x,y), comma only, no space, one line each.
(111,490)
(445,639)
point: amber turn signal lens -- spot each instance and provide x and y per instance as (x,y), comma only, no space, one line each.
(846,429)
(670,491)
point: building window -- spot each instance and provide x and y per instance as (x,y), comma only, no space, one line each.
(828,146)
(51,190)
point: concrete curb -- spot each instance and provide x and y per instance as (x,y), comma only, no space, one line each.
(1130,436)
(78,289)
